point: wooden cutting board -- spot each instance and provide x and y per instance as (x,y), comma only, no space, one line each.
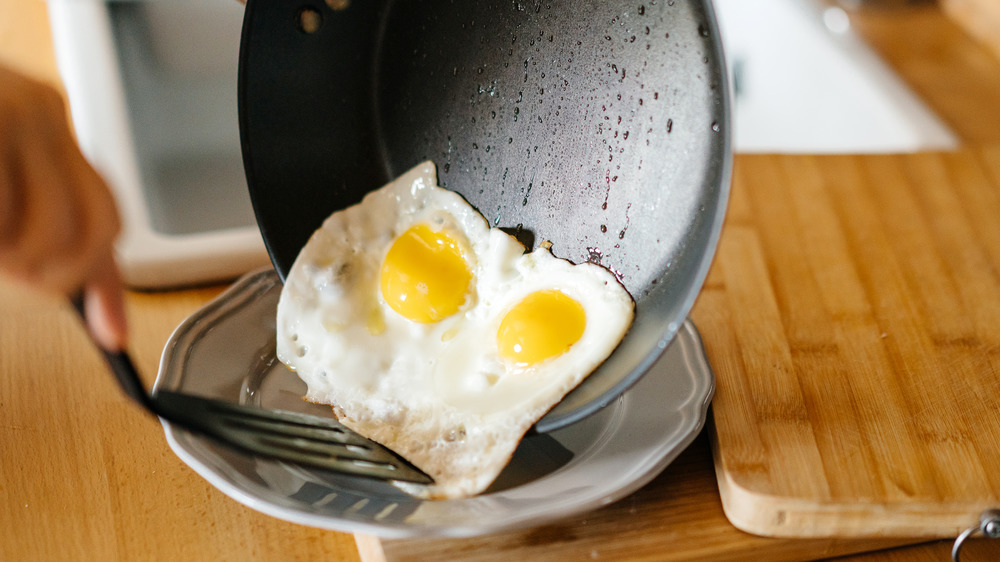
(853,320)
(852,317)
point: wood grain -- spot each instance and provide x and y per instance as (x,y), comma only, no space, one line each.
(981,18)
(957,76)
(863,297)
(668,519)
(26,41)
(84,475)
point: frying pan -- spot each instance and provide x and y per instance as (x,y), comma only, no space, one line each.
(602,127)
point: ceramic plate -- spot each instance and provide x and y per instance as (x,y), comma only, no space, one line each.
(226,351)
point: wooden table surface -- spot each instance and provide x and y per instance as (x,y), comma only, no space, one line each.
(85,476)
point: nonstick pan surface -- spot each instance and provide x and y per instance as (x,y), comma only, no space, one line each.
(602,127)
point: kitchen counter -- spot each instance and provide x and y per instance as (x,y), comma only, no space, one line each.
(85,475)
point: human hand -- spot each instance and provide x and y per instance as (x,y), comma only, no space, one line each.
(58,220)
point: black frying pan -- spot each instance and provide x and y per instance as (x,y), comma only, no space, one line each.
(600,126)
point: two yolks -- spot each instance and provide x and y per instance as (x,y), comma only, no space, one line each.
(425,278)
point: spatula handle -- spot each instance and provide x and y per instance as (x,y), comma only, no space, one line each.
(120,364)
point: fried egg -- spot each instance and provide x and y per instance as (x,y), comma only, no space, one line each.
(438,336)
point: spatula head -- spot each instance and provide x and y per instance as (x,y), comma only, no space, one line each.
(288,436)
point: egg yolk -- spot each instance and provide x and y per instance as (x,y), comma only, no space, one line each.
(425,276)
(543,325)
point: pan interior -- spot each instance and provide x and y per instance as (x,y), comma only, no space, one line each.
(601,127)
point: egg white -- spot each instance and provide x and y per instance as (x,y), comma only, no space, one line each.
(438,394)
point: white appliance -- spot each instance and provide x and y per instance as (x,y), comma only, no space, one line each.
(152,92)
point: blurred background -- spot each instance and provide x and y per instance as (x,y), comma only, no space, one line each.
(152,86)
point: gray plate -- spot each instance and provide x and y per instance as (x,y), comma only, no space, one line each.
(226,351)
